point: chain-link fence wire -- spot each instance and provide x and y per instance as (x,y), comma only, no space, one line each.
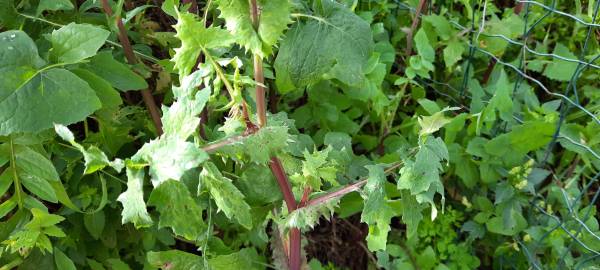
(576,222)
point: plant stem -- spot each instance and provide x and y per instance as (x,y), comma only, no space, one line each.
(347,189)
(413,27)
(131,59)
(294,262)
(17,182)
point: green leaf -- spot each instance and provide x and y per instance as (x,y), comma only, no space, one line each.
(376,213)
(9,18)
(260,146)
(501,100)
(62,261)
(170,158)
(433,123)
(94,223)
(332,41)
(196,38)
(75,42)
(39,187)
(274,18)
(453,53)
(108,96)
(94,158)
(440,25)
(117,264)
(178,209)
(243,259)
(559,69)
(227,197)
(315,168)
(134,207)
(180,119)
(424,46)
(35,164)
(175,259)
(69,98)
(116,73)
(54,5)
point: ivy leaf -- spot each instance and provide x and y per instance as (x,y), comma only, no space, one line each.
(274,16)
(174,202)
(376,212)
(54,5)
(28,94)
(134,207)
(116,73)
(333,41)
(227,197)
(75,42)
(196,38)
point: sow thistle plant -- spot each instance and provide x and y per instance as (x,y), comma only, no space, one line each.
(278,116)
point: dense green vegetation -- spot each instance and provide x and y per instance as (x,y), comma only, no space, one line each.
(270,134)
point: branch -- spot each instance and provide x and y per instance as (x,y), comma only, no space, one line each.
(131,59)
(413,27)
(347,189)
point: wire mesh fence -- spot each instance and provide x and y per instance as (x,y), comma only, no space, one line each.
(579,192)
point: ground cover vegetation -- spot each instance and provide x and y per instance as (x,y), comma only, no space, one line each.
(299,134)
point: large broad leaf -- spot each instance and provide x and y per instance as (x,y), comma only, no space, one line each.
(274,18)
(332,41)
(116,73)
(194,39)
(75,42)
(52,96)
(228,198)
(178,209)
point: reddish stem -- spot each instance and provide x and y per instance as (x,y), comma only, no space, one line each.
(413,27)
(131,59)
(284,183)
(347,189)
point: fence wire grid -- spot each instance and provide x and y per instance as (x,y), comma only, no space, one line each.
(576,222)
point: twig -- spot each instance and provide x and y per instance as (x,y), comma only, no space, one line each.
(347,189)
(413,27)
(131,59)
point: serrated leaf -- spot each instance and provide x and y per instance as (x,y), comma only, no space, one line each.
(116,73)
(501,100)
(227,197)
(177,209)
(75,42)
(134,207)
(260,146)
(307,217)
(169,158)
(54,5)
(376,212)
(333,41)
(274,16)
(195,38)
